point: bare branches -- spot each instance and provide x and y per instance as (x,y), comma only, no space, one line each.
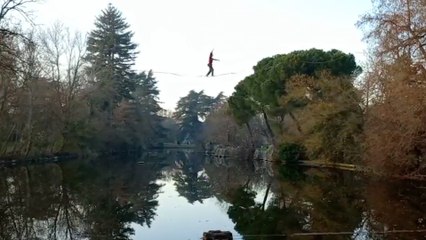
(394,86)
(398,28)
(62,53)
(9,6)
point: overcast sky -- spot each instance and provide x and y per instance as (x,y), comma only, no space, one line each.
(176,36)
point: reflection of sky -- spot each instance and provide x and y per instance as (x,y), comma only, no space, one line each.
(178,219)
(260,196)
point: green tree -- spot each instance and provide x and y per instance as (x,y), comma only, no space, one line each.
(146,93)
(281,88)
(147,102)
(124,104)
(111,55)
(331,119)
(261,91)
(240,106)
(137,120)
(191,110)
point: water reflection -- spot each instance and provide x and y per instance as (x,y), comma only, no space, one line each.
(181,194)
(191,182)
(76,200)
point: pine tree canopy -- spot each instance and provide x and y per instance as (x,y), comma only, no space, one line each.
(111,54)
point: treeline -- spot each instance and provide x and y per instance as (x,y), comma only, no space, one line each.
(63,92)
(316,105)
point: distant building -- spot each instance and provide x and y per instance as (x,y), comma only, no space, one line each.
(166,113)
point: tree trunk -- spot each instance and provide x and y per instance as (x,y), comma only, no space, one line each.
(296,122)
(266,196)
(270,133)
(5,145)
(29,123)
(251,134)
(3,95)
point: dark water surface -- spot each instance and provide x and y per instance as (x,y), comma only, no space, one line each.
(180,195)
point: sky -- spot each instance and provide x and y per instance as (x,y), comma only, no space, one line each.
(175,37)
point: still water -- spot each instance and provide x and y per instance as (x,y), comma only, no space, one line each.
(180,195)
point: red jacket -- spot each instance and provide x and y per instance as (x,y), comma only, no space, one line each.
(211,59)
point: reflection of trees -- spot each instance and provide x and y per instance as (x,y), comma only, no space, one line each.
(67,217)
(331,201)
(75,200)
(145,204)
(334,198)
(110,220)
(324,201)
(238,181)
(12,206)
(253,218)
(119,195)
(99,201)
(192,187)
(35,203)
(319,203)
(228,174)
(396,206)
(189,183)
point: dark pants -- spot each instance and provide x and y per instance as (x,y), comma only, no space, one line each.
(211,70)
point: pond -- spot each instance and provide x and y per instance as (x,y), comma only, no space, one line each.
(181,194)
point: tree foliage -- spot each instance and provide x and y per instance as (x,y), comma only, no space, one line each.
(394,87)
(191,111)
(124,106)
(111,55)
(261,90)
(395,124)
(146,103)
(331,119)
(310,87)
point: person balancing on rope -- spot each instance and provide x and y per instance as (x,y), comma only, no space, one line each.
(210,64)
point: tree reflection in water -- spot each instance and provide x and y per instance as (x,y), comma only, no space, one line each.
(190,180)
(76,200)
(315,201)
(101,200)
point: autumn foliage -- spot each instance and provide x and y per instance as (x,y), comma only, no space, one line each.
(395,87)
(395,129)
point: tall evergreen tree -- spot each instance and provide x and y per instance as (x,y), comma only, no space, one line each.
(146,93)
(111,54)
(146,100)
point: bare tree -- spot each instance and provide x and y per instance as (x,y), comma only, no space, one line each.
(397,28)
(9,58)
(394,86)
(63,52)
(30,72)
